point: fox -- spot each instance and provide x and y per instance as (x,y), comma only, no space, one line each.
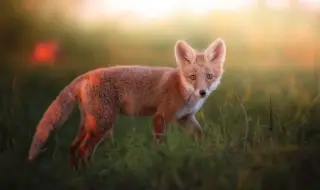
(166,94)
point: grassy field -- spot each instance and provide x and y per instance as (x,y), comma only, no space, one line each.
(260,132)
(261,126)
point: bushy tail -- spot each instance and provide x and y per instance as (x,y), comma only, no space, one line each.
(56,114)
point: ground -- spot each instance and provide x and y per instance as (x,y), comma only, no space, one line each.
(259,133)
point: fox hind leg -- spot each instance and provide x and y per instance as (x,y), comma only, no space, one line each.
(85,143)
(74,153)
(87,148)
(73,149)
(108,134)
(89,136)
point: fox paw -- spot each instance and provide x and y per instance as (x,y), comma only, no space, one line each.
(78,161)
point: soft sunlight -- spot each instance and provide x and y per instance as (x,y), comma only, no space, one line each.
(150,9)
(157,9)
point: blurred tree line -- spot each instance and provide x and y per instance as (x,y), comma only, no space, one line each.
(261,33)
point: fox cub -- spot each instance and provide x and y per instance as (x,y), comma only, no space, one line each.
(167,94)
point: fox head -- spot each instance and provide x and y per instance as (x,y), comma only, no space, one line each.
(200,72)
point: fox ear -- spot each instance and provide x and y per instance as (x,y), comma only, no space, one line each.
(184,53)
(216,52)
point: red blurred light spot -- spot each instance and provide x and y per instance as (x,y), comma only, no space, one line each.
(45,52)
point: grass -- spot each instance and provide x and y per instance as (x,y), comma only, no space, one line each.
(261,126)
(260,132)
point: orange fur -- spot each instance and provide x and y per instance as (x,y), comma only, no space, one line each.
(167,94)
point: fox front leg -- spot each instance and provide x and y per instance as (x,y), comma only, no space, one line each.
(159,126)
(192,121)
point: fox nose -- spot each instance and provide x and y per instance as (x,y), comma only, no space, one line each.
(202,93)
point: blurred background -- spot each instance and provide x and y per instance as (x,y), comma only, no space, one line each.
(261,124)
(73,34)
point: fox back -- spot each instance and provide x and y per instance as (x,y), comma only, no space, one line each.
(135,90)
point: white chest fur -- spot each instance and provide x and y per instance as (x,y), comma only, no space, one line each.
(190,108)
(194,106)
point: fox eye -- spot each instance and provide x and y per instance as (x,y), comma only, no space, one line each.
(192,77)
(209,76)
